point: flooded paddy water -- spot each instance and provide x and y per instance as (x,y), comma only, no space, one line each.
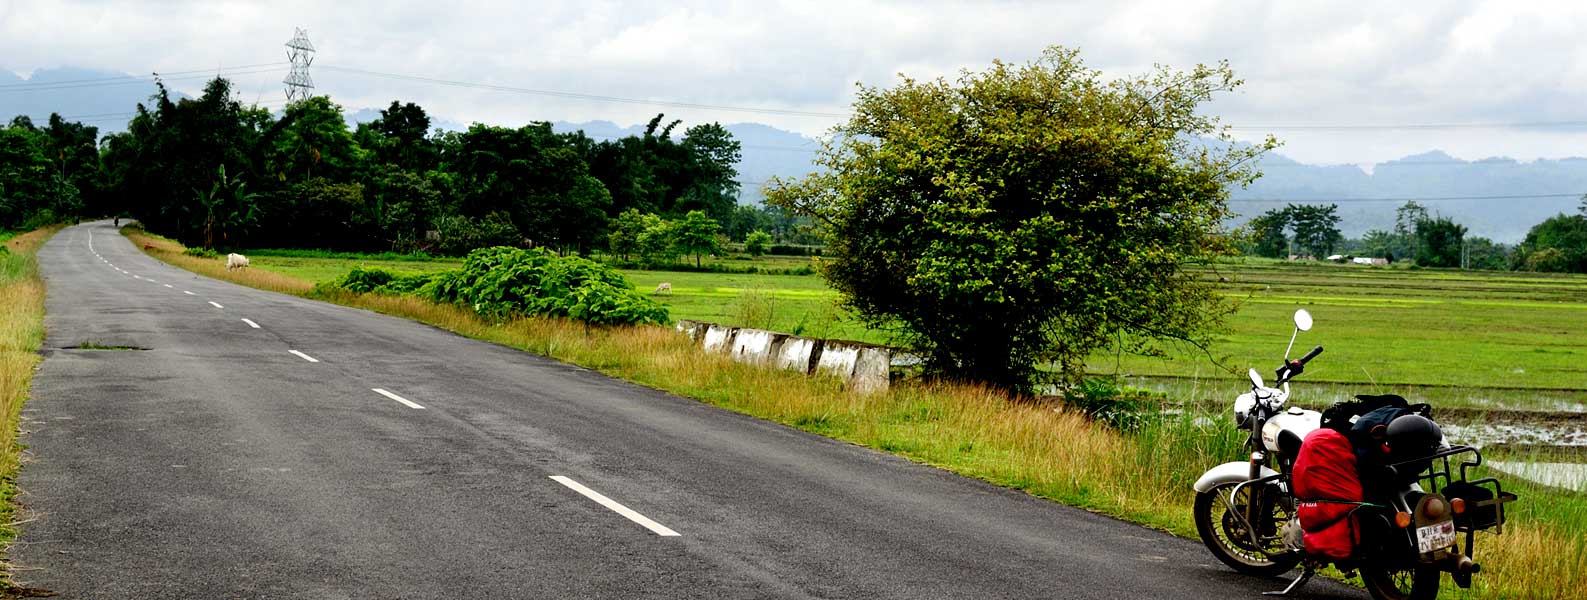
(1550,424)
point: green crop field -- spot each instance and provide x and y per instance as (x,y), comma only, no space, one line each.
(1476,339)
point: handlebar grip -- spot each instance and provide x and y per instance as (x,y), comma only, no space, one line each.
(1310,355)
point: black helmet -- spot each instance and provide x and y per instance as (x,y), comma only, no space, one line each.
(1413,436)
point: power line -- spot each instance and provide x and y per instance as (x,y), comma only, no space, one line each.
(579,96)
(1412,126)
(139,77)
(136,79)
(1411,198)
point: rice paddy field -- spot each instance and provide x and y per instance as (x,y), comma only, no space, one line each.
(1475,340)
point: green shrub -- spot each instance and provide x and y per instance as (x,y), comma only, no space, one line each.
(757,242)
(201,253)
(39,220)
(1121,408)
(502,281)
(363,280)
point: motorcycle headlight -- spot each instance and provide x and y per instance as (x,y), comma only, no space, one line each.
(1242,410)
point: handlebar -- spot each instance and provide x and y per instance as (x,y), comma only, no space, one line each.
(1294,367)
(1310,355)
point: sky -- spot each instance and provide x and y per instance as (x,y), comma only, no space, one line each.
(1337,82)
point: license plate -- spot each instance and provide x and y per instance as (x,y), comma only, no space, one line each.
(1435,537)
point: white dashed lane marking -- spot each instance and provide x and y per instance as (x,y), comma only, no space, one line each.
(304,356)
(405,401)
(658,528)
(189,293)
(216,304)
(251,323)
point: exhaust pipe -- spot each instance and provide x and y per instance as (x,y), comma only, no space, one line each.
(1463,564)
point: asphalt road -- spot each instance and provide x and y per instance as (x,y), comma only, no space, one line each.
(220,461)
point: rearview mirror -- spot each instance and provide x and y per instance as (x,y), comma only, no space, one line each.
(1302,320)
(1256,379)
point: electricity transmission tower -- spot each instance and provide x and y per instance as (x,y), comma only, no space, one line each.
(301,53)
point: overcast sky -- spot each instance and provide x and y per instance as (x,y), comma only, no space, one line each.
(1353,66)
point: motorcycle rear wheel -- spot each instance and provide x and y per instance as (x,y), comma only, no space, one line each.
(1225,536)
(1420,583)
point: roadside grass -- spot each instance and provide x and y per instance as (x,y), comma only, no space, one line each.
(172,252)
(21,334)
(1041,448)
(1471,339)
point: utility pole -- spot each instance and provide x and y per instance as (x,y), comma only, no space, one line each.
(301,53)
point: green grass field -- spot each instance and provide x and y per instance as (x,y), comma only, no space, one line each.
(1472,339)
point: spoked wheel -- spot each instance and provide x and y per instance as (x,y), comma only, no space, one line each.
(1223,529)
(1420,583)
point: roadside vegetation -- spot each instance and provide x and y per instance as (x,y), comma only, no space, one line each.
(1386,329)
(21,334)
(1137,465)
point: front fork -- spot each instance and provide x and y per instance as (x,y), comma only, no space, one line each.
(1253,503)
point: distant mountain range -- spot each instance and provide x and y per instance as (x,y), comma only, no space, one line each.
(1498,198)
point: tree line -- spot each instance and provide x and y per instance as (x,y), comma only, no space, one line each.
(213,172)
(1557,245)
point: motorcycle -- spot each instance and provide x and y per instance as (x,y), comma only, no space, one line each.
(1406,531)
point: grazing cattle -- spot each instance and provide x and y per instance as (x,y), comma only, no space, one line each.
(236,261)
(664,287)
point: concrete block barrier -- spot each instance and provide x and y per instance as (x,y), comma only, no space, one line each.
(718,338)
(864,367)
(871,370)
(798,354)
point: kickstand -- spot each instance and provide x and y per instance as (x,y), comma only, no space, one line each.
(1305,575)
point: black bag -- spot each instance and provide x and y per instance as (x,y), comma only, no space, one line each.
(1372,415)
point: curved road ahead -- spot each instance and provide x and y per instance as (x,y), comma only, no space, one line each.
(266,446)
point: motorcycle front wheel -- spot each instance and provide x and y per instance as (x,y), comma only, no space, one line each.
(1218,520)
(1419,583)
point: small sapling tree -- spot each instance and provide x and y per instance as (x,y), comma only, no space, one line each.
(757,242)
(695,234)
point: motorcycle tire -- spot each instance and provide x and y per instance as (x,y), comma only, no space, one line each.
(1235,550)
(1420,583)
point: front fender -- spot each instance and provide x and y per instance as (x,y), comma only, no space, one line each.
(1230,472)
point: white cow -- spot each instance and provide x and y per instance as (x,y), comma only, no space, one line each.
(236,261)
(664,287)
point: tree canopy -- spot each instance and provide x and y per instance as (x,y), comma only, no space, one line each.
(212,171)
(1027,215)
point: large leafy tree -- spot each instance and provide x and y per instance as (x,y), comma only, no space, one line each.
(313,141)
(1316,227)
(713,185)
(26,182)
(1558,244)
(1405,219)
(172,149)
(1268,233)
(1027,215)
(537,177)
(400,137)
(1439,242)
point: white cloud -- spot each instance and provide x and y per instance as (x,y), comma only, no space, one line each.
(1304,62)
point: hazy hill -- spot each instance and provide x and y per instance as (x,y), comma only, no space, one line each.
(74,92)
(1428,177)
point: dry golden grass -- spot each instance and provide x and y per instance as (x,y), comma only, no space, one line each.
(21,334)
(172,252)
(1039,448)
